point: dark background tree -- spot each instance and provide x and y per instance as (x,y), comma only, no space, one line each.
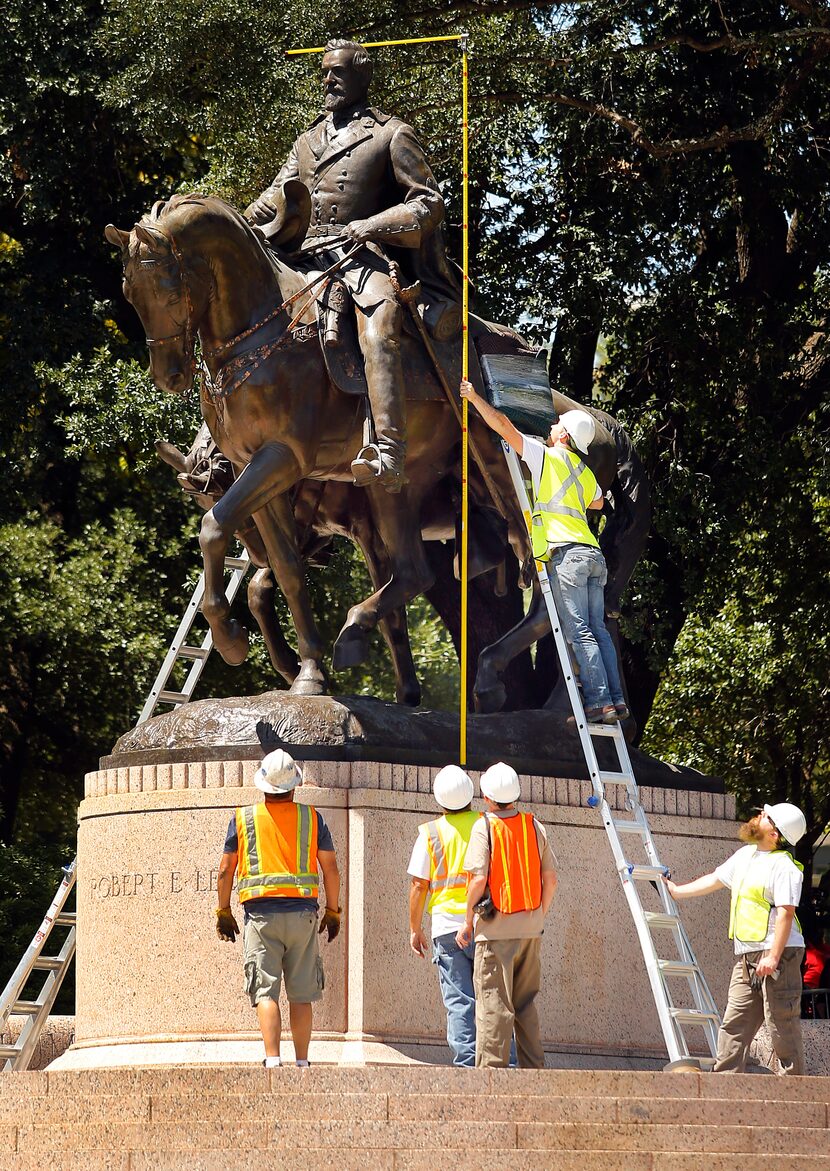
(650,199)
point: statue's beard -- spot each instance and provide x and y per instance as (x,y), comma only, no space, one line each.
(335,102)
(751,830)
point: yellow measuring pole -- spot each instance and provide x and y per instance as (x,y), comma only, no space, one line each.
(383,44)
(461,38)
(465,406)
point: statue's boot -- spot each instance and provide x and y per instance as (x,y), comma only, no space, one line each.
(383,462)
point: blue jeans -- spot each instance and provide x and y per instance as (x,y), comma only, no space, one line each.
(577,576)
(455,979)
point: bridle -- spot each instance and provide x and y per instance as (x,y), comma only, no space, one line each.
(239,368)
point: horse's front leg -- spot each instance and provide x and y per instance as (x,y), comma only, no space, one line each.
(272,470)
(261,602)
(278,529)
(398,521)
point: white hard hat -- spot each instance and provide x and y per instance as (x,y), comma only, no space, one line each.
(501,783)
(452,787)
(581,428)
(788,820)
(278,773)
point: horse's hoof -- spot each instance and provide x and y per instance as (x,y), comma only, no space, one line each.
(491,700)
(351,648)
(233,647)
(410,695)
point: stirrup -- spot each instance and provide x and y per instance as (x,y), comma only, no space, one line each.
(367,465)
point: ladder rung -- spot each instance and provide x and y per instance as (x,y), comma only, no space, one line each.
(66,919)
(48,964)
(616,778)
(8,1052)
(661,919)
(629,827)
(694,1016)
(173,697)
(193,652)
(26,1007)
(645,873)
(236,563)
(678,968)
(603,729)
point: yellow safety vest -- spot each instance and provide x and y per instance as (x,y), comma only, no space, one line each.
(749,910)
(566,489)
(447,839)
(277,851)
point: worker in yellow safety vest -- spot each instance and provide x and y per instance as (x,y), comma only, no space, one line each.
(565,490)
(765,881)
(277,848)
(439,884)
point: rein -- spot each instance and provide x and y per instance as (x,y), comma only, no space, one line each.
(233,373)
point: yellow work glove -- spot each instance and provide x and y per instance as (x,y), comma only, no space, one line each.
(227,927)
(330,922)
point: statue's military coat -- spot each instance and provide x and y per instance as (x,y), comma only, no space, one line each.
(375,169)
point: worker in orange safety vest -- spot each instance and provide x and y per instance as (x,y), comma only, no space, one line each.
(277,847)
(511,885)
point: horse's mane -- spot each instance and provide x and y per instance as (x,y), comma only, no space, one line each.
(163,208)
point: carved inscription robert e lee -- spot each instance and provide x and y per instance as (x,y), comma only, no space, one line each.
(153,883)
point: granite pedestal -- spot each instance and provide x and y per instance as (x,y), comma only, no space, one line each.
(152,977)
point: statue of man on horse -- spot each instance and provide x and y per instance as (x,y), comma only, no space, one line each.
(369,183)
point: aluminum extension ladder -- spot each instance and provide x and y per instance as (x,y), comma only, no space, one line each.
(17,1056)
(180,649)
(664,974)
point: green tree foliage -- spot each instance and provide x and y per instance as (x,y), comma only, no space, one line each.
(652,175)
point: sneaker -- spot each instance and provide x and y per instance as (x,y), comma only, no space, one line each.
(622,711)
(601,715)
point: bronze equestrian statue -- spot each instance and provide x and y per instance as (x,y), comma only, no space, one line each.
(370,184)
(262,299)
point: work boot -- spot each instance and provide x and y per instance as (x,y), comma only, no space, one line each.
(381,463)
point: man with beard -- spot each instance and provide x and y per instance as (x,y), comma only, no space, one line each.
(370,184)
(765,881)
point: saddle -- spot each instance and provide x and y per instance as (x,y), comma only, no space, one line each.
(338,340)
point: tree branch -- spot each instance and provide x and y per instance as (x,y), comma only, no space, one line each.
(717,140)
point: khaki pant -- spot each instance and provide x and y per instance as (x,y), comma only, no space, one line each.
(778,1002)
(506,977)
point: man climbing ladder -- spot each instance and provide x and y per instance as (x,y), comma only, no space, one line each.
(564,489)
(681,995)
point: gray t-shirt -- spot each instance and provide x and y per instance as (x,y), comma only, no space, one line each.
(521,924)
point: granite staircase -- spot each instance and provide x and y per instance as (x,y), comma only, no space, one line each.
(409,1118)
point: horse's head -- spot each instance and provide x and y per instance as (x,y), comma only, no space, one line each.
(169,291)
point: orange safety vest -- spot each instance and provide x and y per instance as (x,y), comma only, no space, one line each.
(515,864)
(277,851)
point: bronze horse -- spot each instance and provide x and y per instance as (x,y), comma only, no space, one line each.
(195,267)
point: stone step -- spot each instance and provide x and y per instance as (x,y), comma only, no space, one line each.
(409,1079)
(239,1133)
(409,1160)
(500,1108)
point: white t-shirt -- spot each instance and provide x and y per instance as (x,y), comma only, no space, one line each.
(533,454)
(783,889)
(443,922)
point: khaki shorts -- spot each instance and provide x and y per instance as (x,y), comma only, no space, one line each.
(281,944)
